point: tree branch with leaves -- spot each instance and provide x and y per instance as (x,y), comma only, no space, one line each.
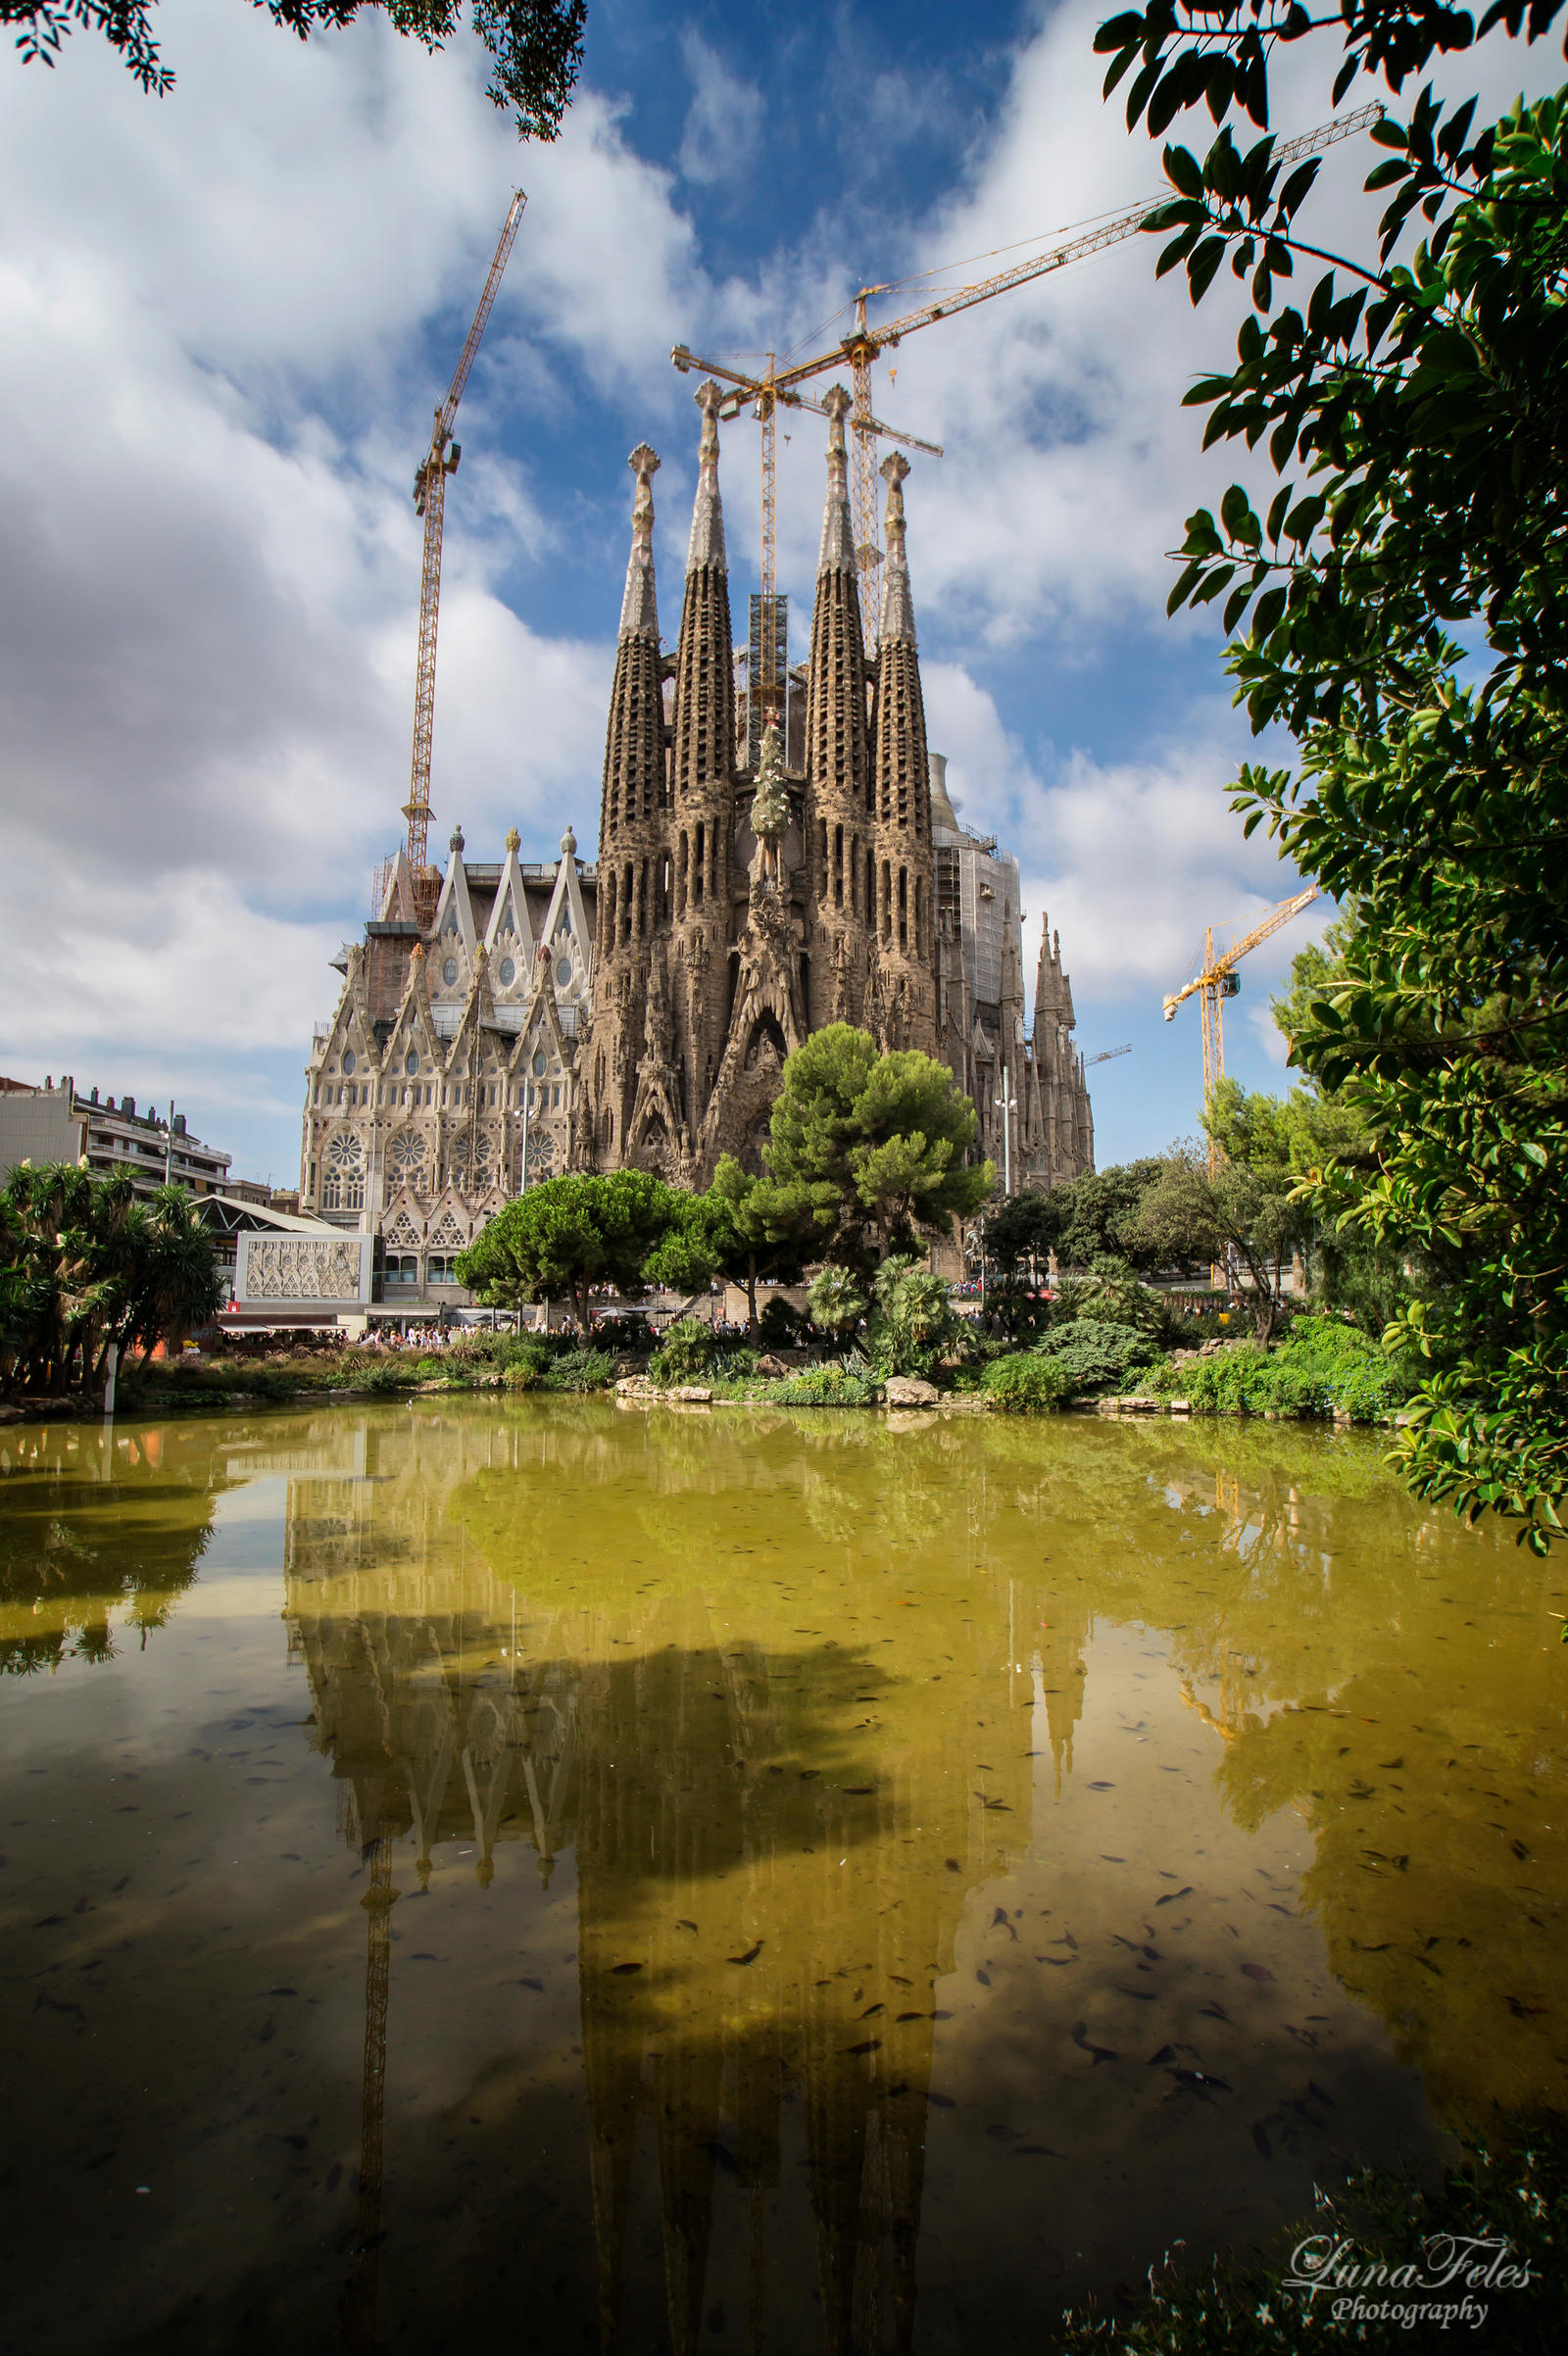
(535,46)
(1399,603)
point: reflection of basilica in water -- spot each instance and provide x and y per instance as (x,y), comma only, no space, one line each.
(694,1664)
(774,1839)
(777,1806)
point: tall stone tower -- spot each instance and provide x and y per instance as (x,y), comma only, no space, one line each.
(742,907)
(905,992)
(703,767)
(632,821)
(842,871)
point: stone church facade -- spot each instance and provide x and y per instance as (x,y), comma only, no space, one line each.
(637,1011)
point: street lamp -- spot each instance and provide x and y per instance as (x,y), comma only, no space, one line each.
(1010,1106)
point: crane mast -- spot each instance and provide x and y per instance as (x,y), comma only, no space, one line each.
(429,502)
(1216,980)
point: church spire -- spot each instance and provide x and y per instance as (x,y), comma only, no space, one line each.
(639,608)
(708,515)
(705,680)
(837,745)
(634,744)
(837,553)
(901,786)
(898,607)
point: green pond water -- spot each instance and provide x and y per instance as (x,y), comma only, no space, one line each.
(739,1882)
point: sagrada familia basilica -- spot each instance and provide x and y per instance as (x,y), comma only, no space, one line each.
(755,882)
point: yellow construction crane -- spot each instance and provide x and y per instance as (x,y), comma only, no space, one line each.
(1216,980)
(865,343)
(429,502)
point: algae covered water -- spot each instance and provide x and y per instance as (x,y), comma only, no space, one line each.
(668,1880)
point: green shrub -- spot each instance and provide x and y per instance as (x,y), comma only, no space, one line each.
(912,1321)
(837,1300)
(849,1384)
(685,1353)
(579,1370)
(477,1352)
(1094,1353)
(1024,1384)
(779,1325)
(521,1378)
(1322,1366)
(735,1365)
(1116,1295)
(379,1370)
(632,1337)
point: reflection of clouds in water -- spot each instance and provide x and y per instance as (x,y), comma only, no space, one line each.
(789,1711)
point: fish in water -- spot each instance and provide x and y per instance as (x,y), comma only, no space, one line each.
(1171,1895)
(749,1956)
(1000,1922)
(1096,2053)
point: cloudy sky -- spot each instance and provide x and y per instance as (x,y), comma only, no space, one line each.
(224,320)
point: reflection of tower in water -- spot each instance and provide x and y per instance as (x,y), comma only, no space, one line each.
(777,1816)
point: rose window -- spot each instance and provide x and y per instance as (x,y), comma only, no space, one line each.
(470,1165)
(409,1159)
(343,1185)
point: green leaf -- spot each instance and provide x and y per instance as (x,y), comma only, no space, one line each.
(1184,171)
(1203,264)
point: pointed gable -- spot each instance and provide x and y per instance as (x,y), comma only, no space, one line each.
(454,911)
(508,936)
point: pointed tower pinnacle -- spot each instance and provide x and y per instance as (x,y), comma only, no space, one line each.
(704,682)
(836,725)
(634,742)
(837,553)
(639,608)
(901,757)
(898,605)
(707,513)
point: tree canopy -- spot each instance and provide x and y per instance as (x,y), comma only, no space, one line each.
(1080,1222)
(768,1230)
(535,45)
(1399,606)
(1197,1213)
(84,1264)
(566,1236)
(875,1144)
